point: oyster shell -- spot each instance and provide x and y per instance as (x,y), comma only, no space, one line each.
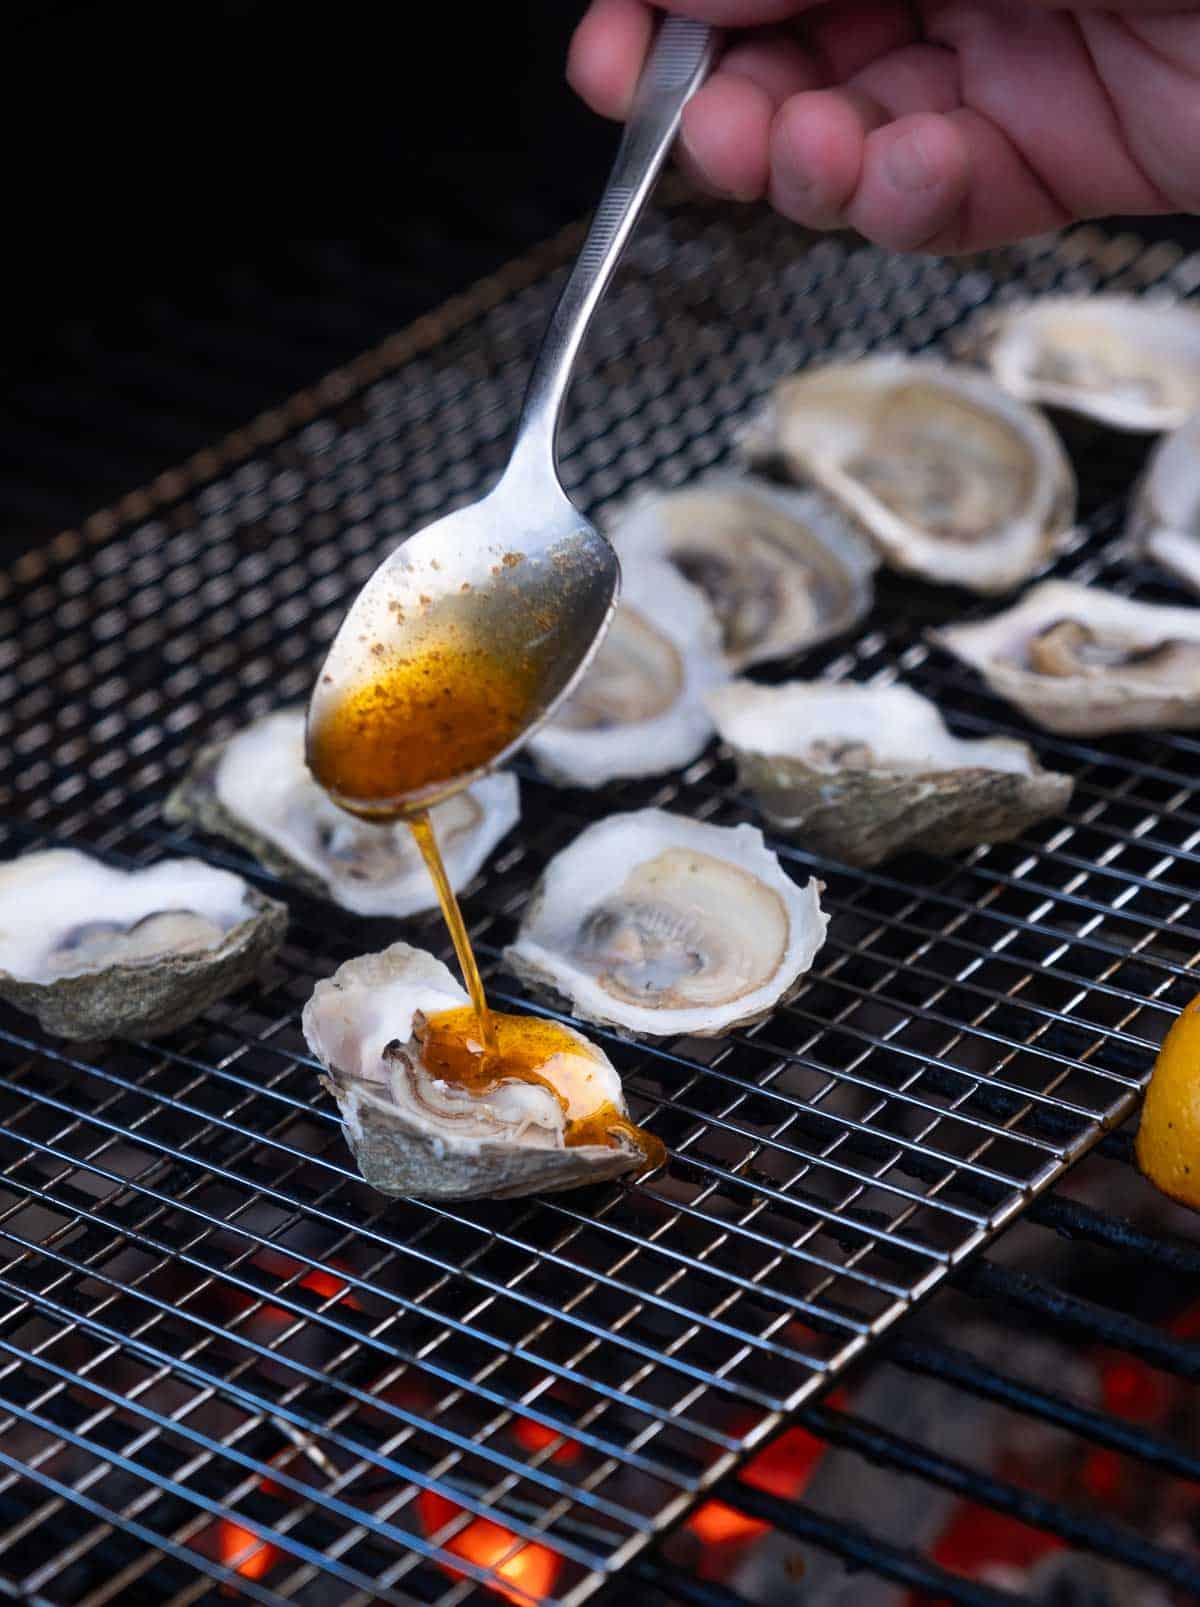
(1165,520)
(1130,363)
(639,710)
(95,952)
(657,925)
(954,479)
(1077,659)
(414,1134)
(860,772)
(782,570)
(256,790)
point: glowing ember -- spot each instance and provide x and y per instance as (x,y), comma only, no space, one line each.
(320,1281)
(244,1552)
(719,1525)
(531,1436)
(522,1577)
(976,1539)
(783,1469)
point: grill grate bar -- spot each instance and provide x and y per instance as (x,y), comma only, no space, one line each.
(959,1367)
(860,1549)
(310,1425)
(403,1474)
(1082,1318)
(615,1284)
(885,1449)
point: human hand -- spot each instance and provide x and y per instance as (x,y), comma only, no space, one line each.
(935,125)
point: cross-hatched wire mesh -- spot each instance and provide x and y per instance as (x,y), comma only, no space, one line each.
(220,1354)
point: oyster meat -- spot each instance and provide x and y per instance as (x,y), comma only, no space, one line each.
(860,772)
(1166,506)
(657,925)
(639,709)
(256,790)
(414,1132)
(1077,659)
(955,479)
(96,952)
(782,569)
(1131,363)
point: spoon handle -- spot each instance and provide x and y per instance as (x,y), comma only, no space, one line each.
(677,65)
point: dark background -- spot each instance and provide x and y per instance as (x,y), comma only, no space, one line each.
(248,194)
(211,205)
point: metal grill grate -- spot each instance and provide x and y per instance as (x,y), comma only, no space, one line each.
(206,1318)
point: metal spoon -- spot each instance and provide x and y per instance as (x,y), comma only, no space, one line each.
(518,585)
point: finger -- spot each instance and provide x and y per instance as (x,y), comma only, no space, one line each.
(850,34)
(737,13)
(913,183)
(816,154)
(775,61)
(606,54)
(918,78)
(724,137)
(725,133)
(1005,199)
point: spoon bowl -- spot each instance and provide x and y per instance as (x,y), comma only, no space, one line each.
(467,637)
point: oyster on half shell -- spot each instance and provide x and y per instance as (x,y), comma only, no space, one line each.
(782,570)
(1133,364)
(639,709)
(1165,520)
(1077,659)
(415,1134)
(860,772)
(96,952)
(952,477)
(657,925)
(256,790)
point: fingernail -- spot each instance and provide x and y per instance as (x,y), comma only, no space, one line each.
(907,164)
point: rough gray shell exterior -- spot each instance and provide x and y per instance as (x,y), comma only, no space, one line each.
(862,817)
(146,1001)
(400,1158)
(194,802)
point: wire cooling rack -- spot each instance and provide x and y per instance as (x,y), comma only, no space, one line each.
(222,1358)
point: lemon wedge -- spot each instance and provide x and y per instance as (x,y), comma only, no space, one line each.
(1168,1141)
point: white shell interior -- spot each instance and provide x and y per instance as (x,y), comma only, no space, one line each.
(1003,639)
(826,418)
(812,720)
(606,857)
(45,896)
(680,616)
(1168,502)
(369,1004)
(1129,362)
(370,868)
(783,538)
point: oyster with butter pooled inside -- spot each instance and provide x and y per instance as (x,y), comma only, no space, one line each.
(417,1132)
(639,709)
(952,477)
(95,952)
(256,790)
(656,925)
(1165,521)
(1131,363)
(860,772)
(782,570)
(1080,660)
